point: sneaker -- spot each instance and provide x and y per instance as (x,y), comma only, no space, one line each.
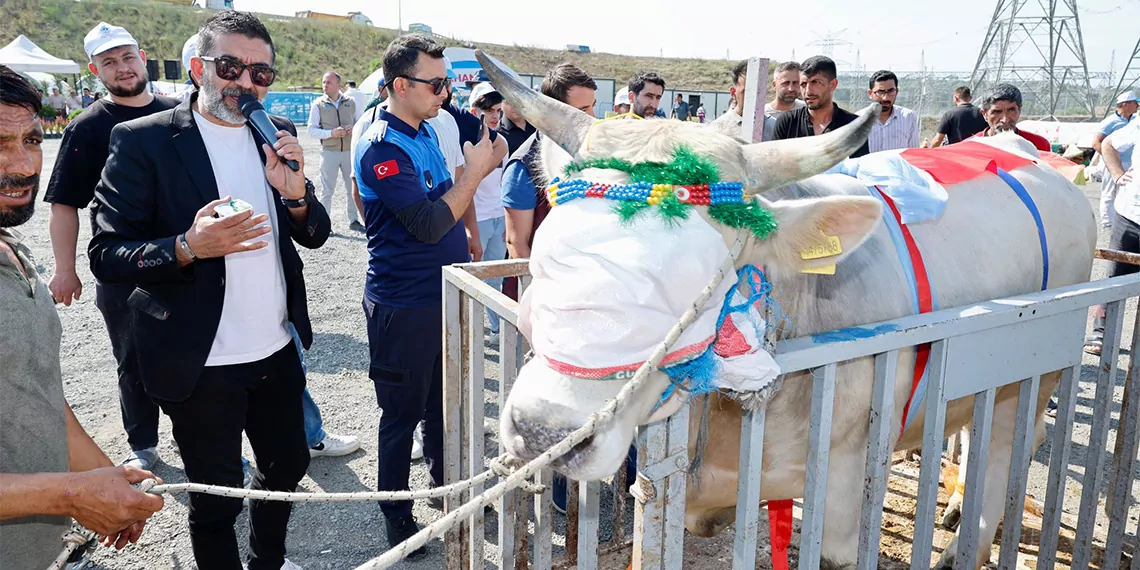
(1093,343)
(288,565)
(334,445)
(1051,409)
(417,445)
(401,530)
(142,458)
(356,226)
(81,558)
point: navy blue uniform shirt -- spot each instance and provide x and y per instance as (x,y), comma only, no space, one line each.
(404,168)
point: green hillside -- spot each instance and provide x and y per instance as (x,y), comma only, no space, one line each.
(306,48)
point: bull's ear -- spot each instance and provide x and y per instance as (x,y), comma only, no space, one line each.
(825,230)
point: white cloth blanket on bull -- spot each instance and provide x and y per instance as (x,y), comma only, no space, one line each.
(590,252)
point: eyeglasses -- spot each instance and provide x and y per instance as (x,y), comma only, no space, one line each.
(884,93)
(439,85)
(230,69)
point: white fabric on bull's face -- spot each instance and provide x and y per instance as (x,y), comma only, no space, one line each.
(605,292)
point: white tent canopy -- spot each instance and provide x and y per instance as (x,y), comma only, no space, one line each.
(23,55)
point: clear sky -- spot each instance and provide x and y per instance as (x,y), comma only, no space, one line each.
(946,36)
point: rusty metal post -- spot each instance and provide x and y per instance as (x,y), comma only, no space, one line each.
(755,96)
(454,314)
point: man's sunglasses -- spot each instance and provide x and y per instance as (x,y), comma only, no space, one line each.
(439,85)
(230,69)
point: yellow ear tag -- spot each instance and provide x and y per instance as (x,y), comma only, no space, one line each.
(826,270)
(830,247)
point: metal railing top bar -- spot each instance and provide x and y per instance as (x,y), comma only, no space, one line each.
(809,352)
(486,295)
(496,269)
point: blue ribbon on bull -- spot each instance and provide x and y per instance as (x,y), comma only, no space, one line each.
(698,376)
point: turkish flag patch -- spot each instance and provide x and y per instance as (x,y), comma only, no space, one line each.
(386,169)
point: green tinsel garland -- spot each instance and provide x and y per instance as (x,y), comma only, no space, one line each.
(686,168)
(753,217)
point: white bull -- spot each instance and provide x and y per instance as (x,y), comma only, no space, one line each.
(984,246)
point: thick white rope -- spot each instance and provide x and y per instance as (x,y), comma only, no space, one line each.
(596,420)
(78,535)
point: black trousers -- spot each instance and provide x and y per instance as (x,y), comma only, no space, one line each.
(1125,237)
(406,349)
(140,413)
(263,399)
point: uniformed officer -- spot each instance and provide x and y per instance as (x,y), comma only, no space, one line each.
(413,212)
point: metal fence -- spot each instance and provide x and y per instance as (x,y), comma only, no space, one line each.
(975,351)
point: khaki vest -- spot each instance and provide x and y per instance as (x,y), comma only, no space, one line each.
(333,117)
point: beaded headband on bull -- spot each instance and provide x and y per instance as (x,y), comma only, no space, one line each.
(671,188)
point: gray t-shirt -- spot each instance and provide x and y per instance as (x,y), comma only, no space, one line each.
(33,424)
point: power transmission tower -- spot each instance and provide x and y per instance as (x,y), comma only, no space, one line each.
(1129,78)
(828,41)
(1037,45)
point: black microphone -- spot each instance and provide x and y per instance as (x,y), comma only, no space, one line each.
(259,121)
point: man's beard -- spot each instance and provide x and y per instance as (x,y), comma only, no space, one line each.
(213,101)
(20,214)
(1005,127)
(123,90)
(788,98)
(643,111)
(817,104)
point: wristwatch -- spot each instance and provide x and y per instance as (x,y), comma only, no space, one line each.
(309,197)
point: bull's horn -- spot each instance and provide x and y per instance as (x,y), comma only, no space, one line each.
(560,122)
(774,164)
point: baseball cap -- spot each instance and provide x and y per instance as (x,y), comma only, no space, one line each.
(104,37)
(1127,97)
(189,50)
(622,97)
(479,91)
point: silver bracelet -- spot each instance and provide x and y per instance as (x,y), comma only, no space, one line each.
(186,247)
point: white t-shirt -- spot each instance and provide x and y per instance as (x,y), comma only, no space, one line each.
(253,313)
(489,195)
(1127,202)
(448,132)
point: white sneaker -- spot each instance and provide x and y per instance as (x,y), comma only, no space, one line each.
(142,459)
(334,445)
(288,565)
(417,445)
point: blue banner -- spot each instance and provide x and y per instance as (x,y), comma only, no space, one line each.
(291,104)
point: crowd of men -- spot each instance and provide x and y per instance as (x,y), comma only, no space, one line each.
(196,221)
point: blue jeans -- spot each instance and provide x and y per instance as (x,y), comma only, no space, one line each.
(493,234)
(314,432)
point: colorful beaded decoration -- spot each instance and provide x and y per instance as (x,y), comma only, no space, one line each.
(715,194)
(670,189)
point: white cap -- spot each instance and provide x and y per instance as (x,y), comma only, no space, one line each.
(104,37)
(479,91)
(622,97)
(1127,97)
(189,50)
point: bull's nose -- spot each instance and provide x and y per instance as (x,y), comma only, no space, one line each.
(533,434)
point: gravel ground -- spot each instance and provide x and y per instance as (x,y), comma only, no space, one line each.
(344,535)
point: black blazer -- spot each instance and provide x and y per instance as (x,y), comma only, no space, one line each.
(157,177)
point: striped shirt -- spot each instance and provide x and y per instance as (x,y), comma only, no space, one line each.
(899,131)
